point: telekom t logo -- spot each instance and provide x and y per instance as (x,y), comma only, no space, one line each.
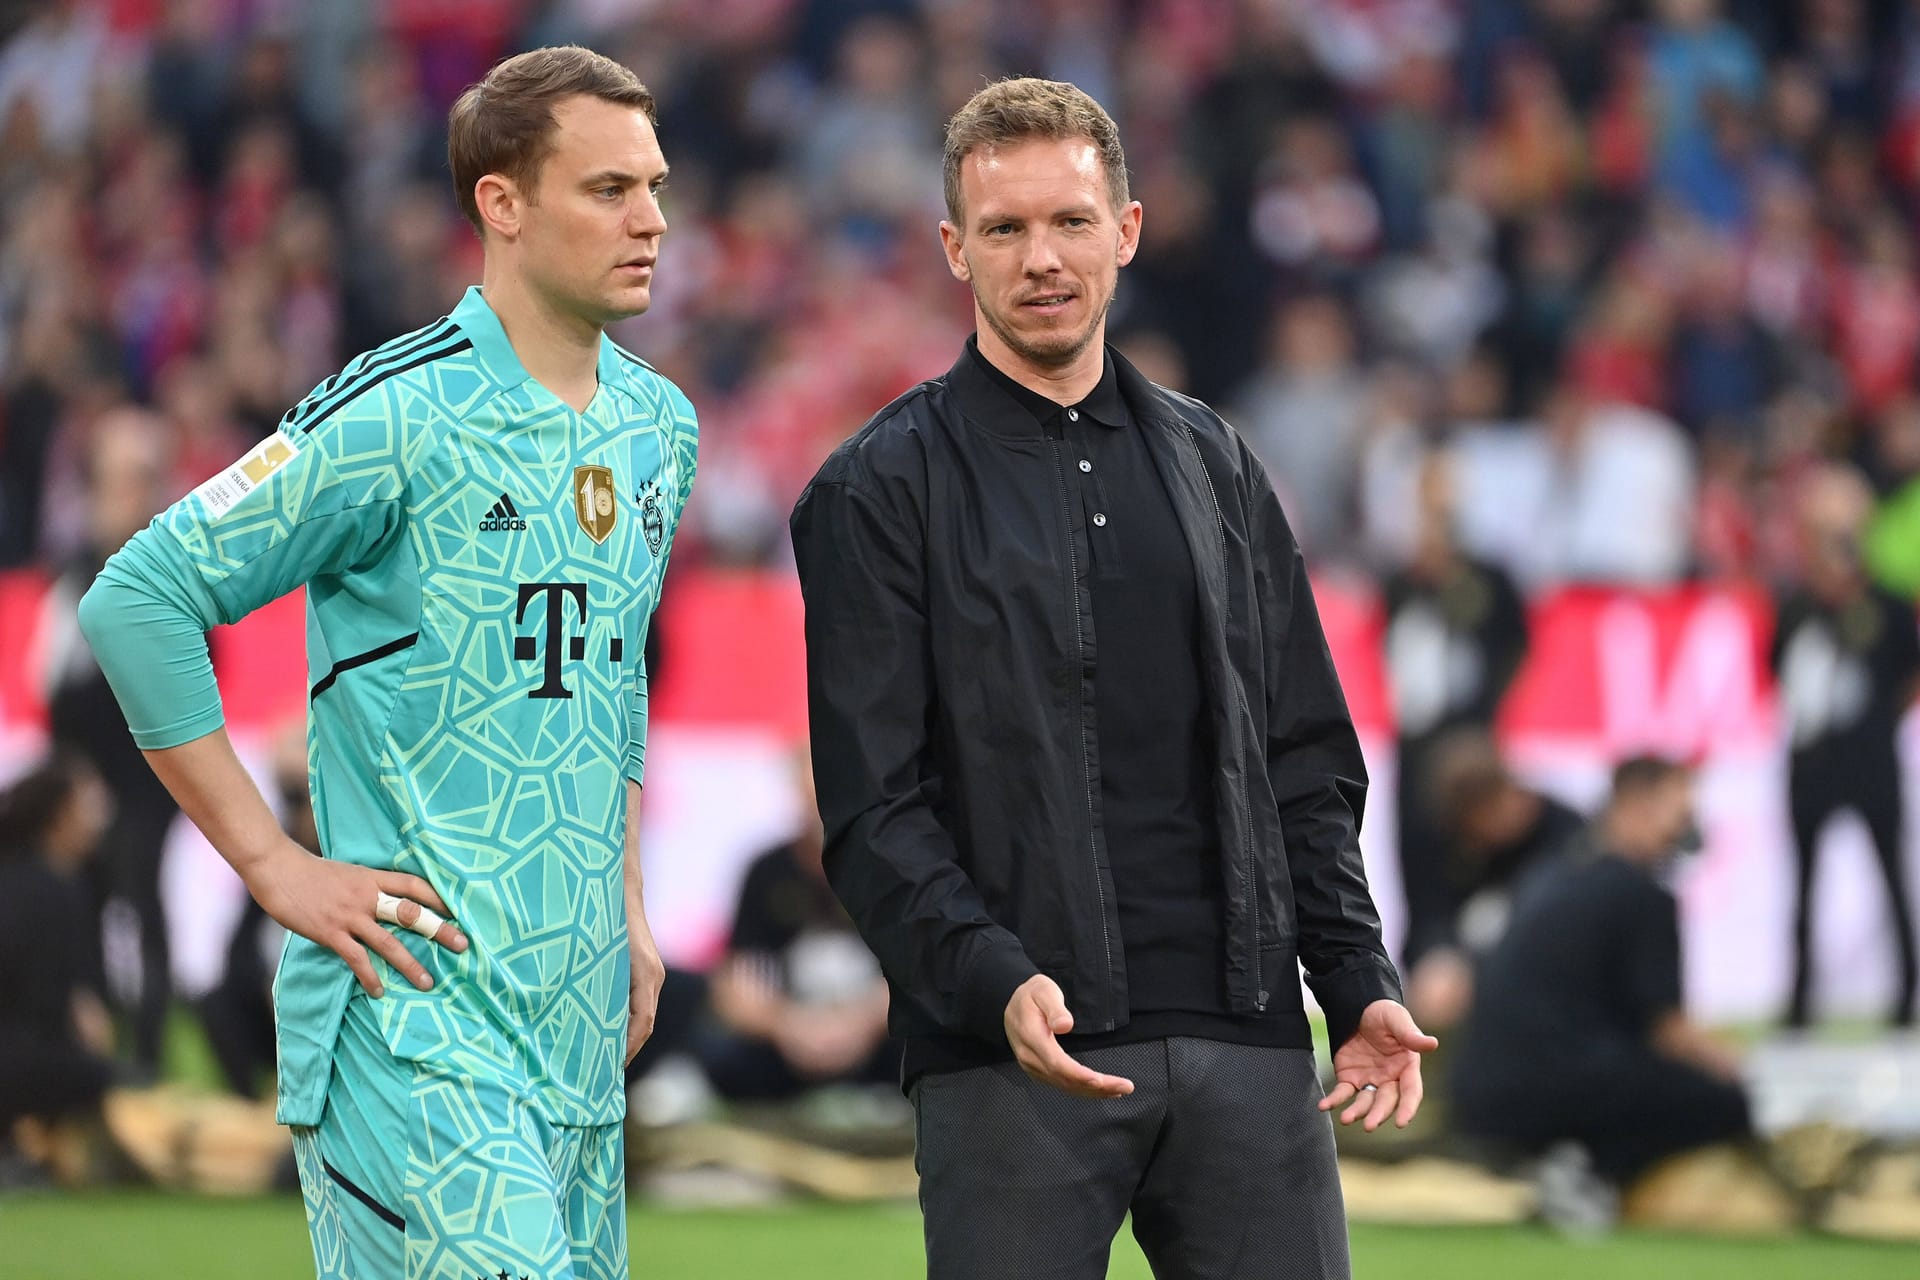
(529,648)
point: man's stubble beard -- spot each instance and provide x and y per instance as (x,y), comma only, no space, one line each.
(1042,357)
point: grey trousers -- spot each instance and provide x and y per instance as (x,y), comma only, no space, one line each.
(1219,1153)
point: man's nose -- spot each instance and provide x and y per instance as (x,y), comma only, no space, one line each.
(1042,256)
(646,218)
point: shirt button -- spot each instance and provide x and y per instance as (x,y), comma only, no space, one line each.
(1085,465)
(1073,415)
(1100,518)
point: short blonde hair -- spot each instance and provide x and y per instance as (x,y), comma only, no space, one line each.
(1014,110)
(504,124)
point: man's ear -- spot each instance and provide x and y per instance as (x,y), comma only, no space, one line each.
(951,242)
(500,203)
(1129,233)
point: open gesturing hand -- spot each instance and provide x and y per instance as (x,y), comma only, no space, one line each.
(1377,1071)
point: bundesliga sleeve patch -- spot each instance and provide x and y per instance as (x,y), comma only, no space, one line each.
(225,490)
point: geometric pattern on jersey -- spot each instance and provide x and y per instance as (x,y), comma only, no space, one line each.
(478,697)
(415,1175)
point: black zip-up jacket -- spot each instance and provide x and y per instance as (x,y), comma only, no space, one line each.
(951,659)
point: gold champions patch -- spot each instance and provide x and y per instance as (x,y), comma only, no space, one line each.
(593,502)
(225,489)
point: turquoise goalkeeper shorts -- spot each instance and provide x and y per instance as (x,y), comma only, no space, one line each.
(412,1174)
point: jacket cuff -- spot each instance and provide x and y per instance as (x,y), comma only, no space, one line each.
(990,984)
(1345,994)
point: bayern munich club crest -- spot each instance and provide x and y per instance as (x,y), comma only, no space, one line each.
(653,518)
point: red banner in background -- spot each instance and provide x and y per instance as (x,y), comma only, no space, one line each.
(22,701)
(732,652)
(1683,670)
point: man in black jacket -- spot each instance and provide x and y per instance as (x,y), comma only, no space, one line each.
(1090,788)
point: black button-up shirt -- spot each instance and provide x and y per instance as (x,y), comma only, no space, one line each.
(1156,804)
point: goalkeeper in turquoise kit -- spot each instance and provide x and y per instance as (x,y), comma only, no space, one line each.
(481,513)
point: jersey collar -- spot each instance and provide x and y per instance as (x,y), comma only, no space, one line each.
(490,343)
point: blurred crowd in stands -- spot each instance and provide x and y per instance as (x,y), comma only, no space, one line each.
(1508,294)
(1635,265)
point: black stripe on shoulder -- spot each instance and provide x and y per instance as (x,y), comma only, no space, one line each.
(386,650)
(631,358)
(361,388)
(371,367)
(380,1211)
(372,361)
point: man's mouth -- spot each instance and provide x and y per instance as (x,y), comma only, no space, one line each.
(1048,301)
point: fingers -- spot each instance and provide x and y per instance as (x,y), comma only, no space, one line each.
(1041,1057)
(1058,1068)
(395,953)
(1052,1004)
(1385,1098)
(356,957)
(1411,1092)
(402,885)
(421,910)
(1408,1033)
(639,1031)
(426,922)
(1362,1099)
(1054,1066)
(1341,1093)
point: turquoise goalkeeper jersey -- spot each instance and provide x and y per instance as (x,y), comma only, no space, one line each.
(481,563)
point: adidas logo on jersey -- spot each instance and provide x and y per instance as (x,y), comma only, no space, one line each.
(502,518)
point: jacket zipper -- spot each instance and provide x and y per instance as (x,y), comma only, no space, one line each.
(1240,695)
(1079,651)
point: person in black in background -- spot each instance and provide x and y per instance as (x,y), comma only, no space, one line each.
(1578,1031)
(126,470)
(1846,655)
(800,998)
(1456,631)
(1498,830)
(55,1038)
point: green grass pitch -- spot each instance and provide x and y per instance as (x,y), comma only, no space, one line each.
(110,1237)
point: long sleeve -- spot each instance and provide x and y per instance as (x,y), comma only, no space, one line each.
(275,520)
(1319,779)
(870,698)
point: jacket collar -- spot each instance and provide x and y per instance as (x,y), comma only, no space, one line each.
(990,406)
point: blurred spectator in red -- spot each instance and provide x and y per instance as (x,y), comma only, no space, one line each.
(1876,314)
